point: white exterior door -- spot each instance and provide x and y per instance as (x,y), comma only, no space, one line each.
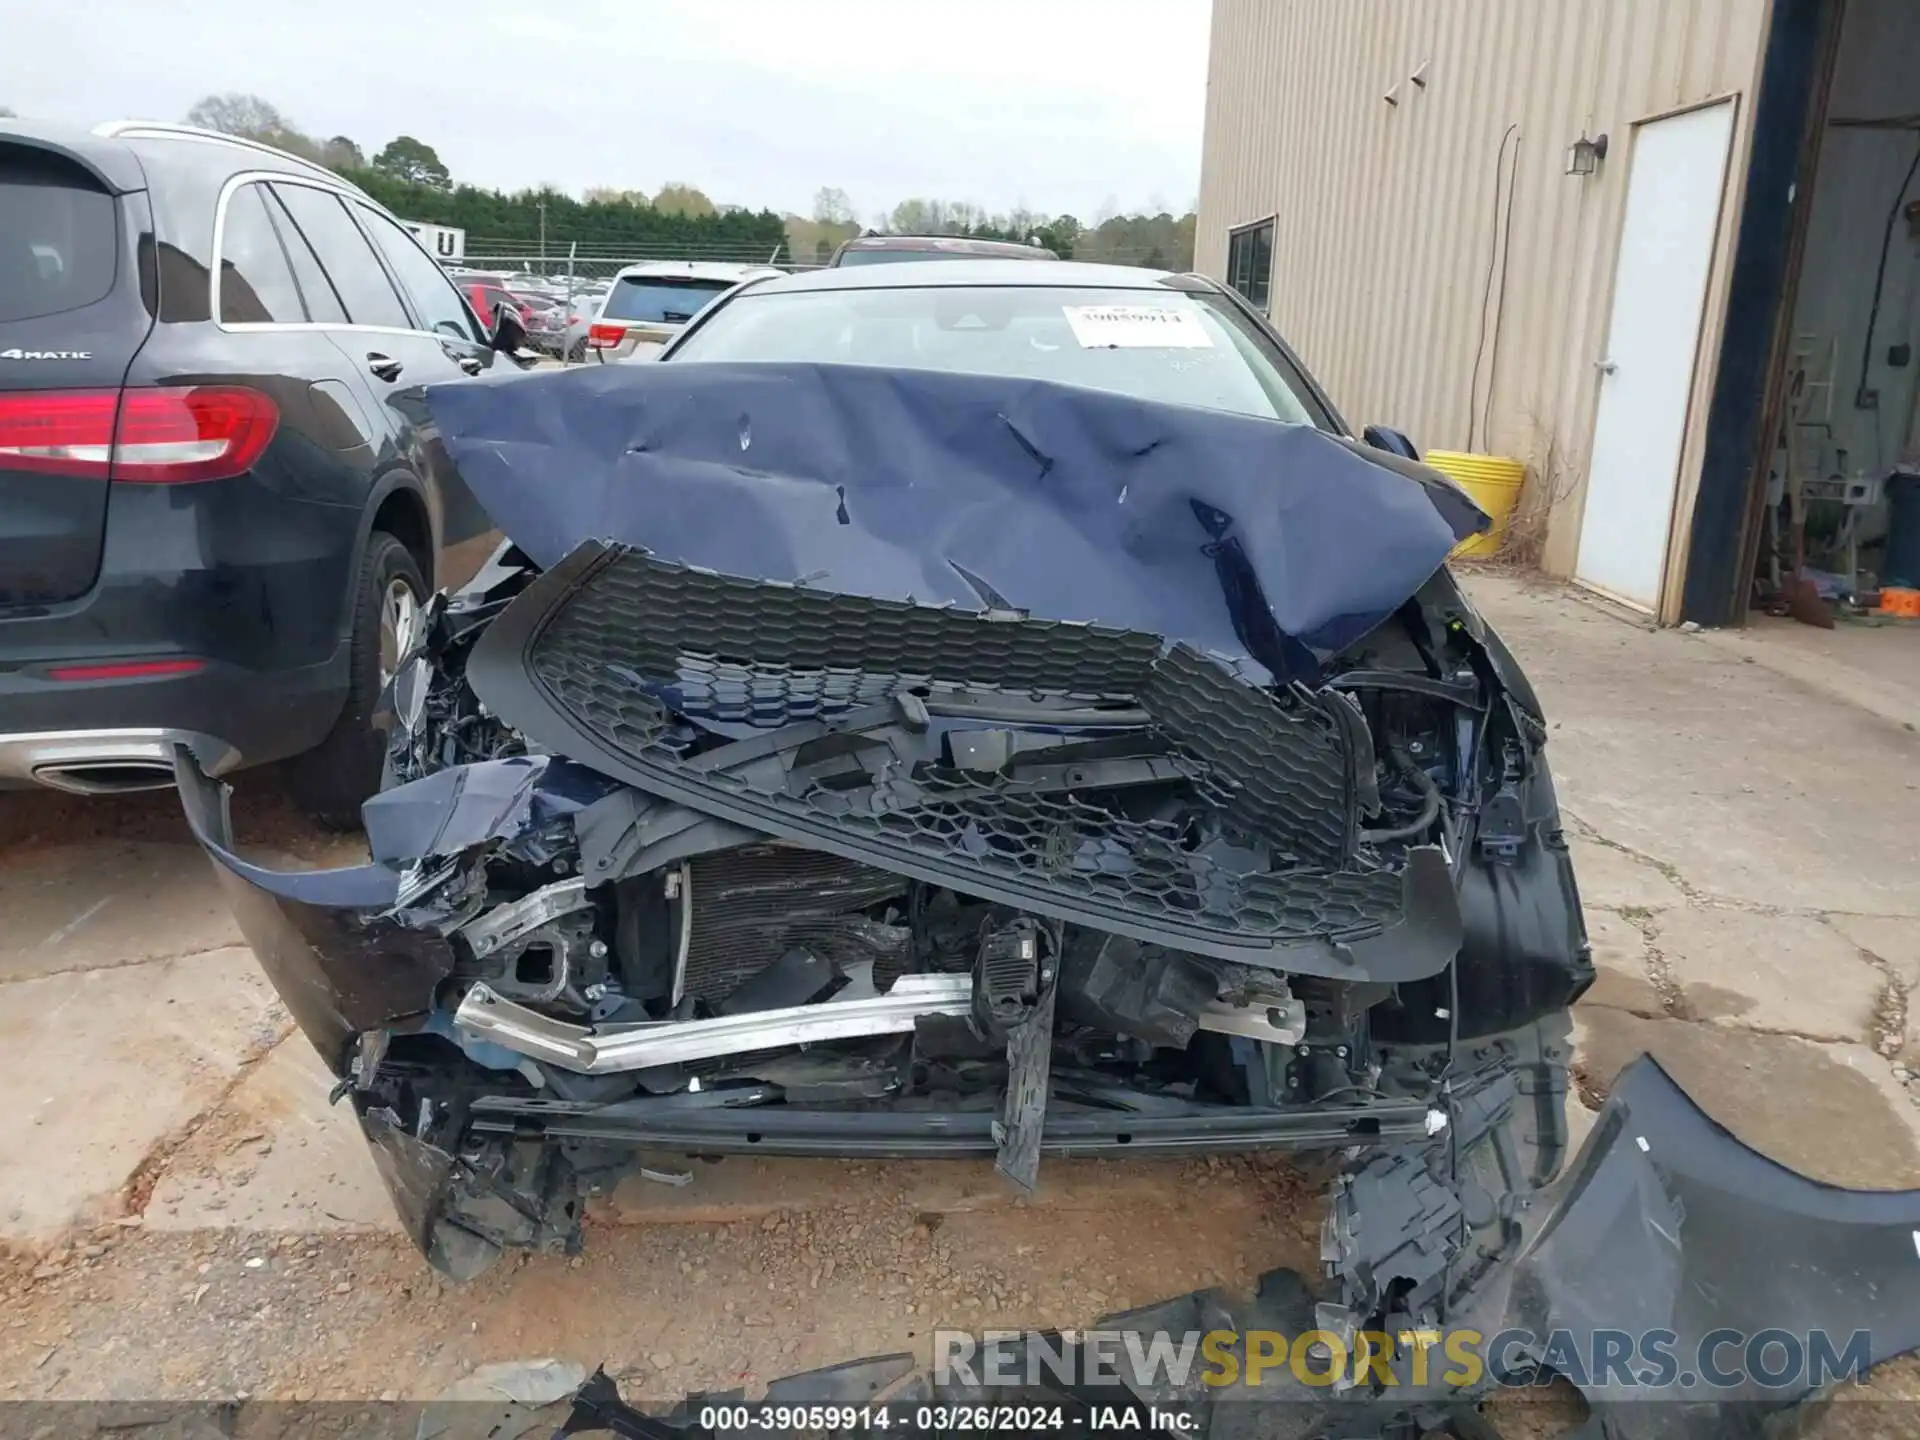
(1653,340)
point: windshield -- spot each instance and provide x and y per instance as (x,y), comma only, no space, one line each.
(1166,345)
(662,299)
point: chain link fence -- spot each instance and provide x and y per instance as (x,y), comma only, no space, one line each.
(599,265)
(579,277)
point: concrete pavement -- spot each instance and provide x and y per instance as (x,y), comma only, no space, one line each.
(128,995)
(1743,824)
(1744,830)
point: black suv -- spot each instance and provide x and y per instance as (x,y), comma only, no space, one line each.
(221,500)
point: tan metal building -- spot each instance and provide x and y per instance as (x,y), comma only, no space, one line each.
(1573,232)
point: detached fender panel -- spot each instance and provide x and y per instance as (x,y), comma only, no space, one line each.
(1668,1222)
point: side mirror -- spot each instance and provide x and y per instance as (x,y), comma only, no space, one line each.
(508,333)
(1394,442)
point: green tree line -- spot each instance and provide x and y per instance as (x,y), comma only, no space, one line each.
(409,178)
(1158,242)
(511,224)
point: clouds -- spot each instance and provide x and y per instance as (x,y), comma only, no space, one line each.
(1054,104)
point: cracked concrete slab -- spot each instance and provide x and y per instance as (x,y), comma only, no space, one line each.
(1874,667)
(1832,1112)
(276,1157)
(1894,940)
(1755,787)
(1621,980)
(108,902)
(115,1064)
(1614,880)
(1785,973)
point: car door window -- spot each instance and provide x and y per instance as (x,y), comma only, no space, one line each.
(323,301)
(357,275)
(256,279)
(435,300)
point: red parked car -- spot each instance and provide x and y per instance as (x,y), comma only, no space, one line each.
(483,297)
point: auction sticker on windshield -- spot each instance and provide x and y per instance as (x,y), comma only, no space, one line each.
(1136,327)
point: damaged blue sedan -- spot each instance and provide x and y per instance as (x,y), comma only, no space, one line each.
(976,709)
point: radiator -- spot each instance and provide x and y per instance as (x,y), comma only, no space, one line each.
(752,904)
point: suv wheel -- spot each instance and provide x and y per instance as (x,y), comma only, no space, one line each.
(331,781)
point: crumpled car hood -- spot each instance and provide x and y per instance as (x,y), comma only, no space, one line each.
(1251,539)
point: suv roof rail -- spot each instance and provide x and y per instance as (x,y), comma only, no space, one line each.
(121,129)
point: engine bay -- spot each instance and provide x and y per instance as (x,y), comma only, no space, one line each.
(615,970)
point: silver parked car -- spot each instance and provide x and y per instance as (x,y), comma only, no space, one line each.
(649,303)
(582,310)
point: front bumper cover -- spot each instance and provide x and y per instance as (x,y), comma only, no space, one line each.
(341,958)
(1669,1223)
(353,962)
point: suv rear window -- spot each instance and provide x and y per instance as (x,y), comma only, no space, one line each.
(662,299)
(59,235)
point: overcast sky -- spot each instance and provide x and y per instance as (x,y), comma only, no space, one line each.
(1056,105)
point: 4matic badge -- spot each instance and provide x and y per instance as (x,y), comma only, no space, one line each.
(18,354)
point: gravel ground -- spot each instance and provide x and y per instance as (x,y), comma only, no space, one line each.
(124,1314)
(301,1326)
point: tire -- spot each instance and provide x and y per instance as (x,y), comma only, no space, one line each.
(578,354)
(331,780)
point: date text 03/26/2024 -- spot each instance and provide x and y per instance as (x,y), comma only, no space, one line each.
(747,1419)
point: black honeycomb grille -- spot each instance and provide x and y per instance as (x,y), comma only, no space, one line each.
(639,647)
(646,614)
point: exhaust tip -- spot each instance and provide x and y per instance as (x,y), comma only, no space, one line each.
(106,777)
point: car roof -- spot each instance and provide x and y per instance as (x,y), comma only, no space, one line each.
(928,274)
(696,270)
(961,244)
(106,153)
(112,164)
(216,151)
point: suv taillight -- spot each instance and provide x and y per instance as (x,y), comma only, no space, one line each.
(601,336)
(169,436)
